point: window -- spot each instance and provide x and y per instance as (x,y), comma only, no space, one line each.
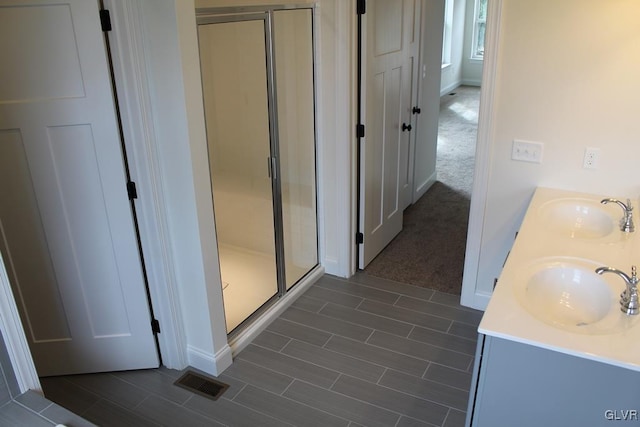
(448,31)
(479,27)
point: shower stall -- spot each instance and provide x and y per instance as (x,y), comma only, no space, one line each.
(257,67)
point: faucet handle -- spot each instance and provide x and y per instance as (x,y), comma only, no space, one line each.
(634,275)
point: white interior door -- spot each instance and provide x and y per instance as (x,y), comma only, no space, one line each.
(66,227)
(387,75)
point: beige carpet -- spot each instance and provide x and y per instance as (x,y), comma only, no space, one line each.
(429,251)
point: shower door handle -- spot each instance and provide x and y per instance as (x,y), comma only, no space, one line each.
(271,167)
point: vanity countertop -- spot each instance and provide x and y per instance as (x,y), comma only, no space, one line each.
(564,236)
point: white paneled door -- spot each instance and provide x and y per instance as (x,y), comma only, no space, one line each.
(66,227)
(389,56)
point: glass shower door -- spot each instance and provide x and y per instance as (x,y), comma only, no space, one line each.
(235,86)
(293,46)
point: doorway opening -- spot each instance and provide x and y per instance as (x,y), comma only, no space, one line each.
(429,250)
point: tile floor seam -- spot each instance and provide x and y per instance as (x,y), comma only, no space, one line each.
(146,390)
(373,331)
(388,318)
(46,407)
(298,324)
(426,370)
(188,410)
(386,369)
(323,330)
(340,374)
(31,409)
(385,290)
(462,371)
(458,306)
(449,329)
(346,292)
(419,312)
(470,367)
(444,405)
(117,378)
(432,345)
(446,417)
(301,403)
(403,354)
(286,388)
(424,398)
(184,404)
(233,399)
(444,333)
(256,411)
(296,304)
(299,359)
(400,414)
(339,354)
(437,315)
(35,413)
(441,347)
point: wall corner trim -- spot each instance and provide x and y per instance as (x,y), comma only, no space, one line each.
(482,171)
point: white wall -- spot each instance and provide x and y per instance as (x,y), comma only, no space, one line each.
(567,76)
(452,74)
(169,37)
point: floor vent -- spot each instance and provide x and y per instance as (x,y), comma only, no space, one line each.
(202,385)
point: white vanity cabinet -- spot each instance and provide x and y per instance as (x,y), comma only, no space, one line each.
(517,384)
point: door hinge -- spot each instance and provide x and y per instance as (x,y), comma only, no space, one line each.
(131,190)
(361,7)
(359,238)
(155,326)
(105,20)
(360,131)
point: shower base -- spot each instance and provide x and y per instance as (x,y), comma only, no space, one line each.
(251,279)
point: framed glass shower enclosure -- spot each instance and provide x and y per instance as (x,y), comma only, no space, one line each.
(257,69)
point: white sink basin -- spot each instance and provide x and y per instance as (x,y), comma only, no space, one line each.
(579,218)
(567,294)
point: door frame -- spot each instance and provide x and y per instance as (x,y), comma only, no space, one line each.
(470,297)
(131,81)
(486,123)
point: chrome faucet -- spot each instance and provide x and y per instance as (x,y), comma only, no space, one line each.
(628,298)
(626,223)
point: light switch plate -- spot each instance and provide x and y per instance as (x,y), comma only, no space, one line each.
(527,151)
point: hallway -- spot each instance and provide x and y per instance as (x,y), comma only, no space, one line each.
(429,251)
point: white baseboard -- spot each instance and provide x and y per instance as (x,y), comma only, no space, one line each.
(449,88)
(422,188)
(477,300)
(477,83)
(212,364)
(239,342)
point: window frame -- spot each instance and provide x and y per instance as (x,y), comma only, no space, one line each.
(477,22)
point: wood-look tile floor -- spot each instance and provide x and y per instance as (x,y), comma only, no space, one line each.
(358,352)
